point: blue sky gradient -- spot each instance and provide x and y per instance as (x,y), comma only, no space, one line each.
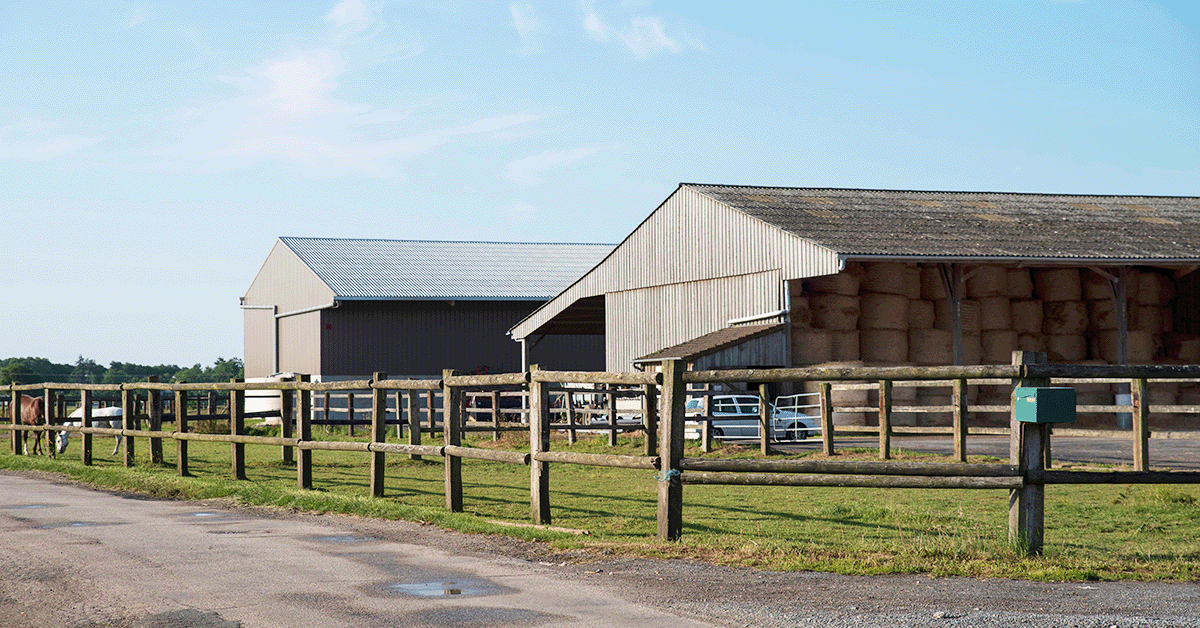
(151,152)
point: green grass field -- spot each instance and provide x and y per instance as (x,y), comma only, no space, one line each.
(1093,532)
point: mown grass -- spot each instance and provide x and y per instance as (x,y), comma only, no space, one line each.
(1093,532)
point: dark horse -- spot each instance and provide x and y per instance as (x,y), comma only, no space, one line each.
(33,412)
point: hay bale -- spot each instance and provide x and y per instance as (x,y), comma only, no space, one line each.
(883,311)
(883,346)
(1031,342)
(845,283)
(1155,288)
(835,311)
(920,314)
(932,286)
(1140,347)
(885,278)
(1020,284)
(944,317)
(1151,318)
(972,350)
(1058,284)
(1183,347)
(1102,314)
(930,347)
(844,346)
(987,281)
(998,345)
(1096,286)
(1065,348)
(912,281)
(995,313)
(1026,316)
(801,312)
(811,346)
(1064,318)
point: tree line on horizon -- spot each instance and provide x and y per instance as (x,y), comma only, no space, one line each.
(86,371)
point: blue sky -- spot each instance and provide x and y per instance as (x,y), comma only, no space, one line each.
(152,152)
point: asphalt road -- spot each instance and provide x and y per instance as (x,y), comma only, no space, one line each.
(79,558)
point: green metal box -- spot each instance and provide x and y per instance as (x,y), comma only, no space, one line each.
(1046,405)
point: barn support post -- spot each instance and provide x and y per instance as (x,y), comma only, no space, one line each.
(237,427)
(1141,424)
(670,451)
(650,417)
(452,431)
(826,396)
(959,400)
(304,412)
(181,426)
(539,441)
(85,439)
(1027,450)
(286,430)
(154,408)
(378,432)
(128,411)
(414,420)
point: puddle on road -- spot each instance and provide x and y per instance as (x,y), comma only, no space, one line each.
(345,539)
(72,524)
(25,507)
(435,589)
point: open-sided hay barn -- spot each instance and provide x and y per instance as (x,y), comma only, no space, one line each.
(340,308)
(897,277)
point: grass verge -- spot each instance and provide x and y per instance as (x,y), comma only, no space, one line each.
(1093,532)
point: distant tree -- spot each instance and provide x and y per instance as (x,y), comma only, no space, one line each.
(124,372)
(87,371)
(221,371)
(32,371)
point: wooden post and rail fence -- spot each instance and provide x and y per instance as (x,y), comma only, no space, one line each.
(662,422)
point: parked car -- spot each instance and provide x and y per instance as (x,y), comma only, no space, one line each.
(736,417)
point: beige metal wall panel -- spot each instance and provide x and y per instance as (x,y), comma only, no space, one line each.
(691,237)
(286,282)
(259,342)
(642,321)
(299,343)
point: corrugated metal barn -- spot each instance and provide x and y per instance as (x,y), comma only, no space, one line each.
(894,277)
(340,308)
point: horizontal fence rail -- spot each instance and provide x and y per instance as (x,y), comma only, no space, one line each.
(540,403)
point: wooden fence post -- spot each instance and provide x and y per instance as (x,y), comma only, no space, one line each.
(155,410)
(304,412)
(452,430)
(181,426)
(49,406)
(650,417)
(1027,443)
(14,412)
(612,418)
(826,397)
(237,427)
(765,420)
(959,399)
(539,441)
(378,433)
(1141,424)
(670,485)
(85,439)
(414,421)
(128,410)
(286,430)
(496,415)
(885,419)
(569,406)
(430,411)
(350,414)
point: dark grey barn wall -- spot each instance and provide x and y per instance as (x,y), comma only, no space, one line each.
(420,338)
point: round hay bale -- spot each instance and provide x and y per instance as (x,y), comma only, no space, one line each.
(995,313)
(1031,342)
(1020,284)
(987,281)
(920,314)
(845,283)
(1064,318)
(801,312)
(844,346)
(883,346)
(834,311)
(1140,348)
(1183,347)
(944,317)
(1063,348)
(883,311)
(930,347)
(1096,286)
(972,350)
(1155,288)
(1151,318)
(885,278)
(1027,316)
(1102,314)
(811,346)
(912,281)
(1058,284)
(932,286)
(998,345)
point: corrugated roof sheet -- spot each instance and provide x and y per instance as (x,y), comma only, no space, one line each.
(713,342)
(413,269)
(975,224)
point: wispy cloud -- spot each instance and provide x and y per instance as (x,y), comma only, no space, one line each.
(644,36)
(527,27)
(36,139)
(528,171)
